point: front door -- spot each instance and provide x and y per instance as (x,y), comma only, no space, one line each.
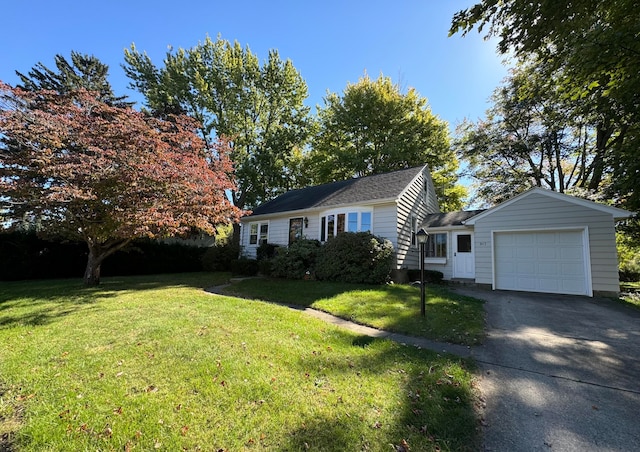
(463,260)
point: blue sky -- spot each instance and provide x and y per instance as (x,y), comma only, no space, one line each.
(331,42)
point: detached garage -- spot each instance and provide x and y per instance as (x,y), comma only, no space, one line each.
(539,241)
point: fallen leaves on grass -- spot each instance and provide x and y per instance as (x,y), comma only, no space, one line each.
(402,447)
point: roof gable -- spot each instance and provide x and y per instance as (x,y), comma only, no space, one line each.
(387,186)
(613,211)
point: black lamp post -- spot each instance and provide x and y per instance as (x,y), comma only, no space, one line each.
(422,236)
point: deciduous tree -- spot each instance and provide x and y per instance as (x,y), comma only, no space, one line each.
(595,46)
(533,136)
(374,128)
(226,88)
(105,174)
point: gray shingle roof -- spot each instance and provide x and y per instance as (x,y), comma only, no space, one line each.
(352,191)
(437,220)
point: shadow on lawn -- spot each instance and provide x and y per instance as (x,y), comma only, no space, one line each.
(435,409)
(40,302)
(450,317)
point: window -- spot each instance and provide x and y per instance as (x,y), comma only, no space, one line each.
(365,221)
(264,232)
(337,222)
(352,222)
(464,243)
(436,245)
(295,229)
(258,233)
(426,190)
(253,234)
(331,221)
(340,225)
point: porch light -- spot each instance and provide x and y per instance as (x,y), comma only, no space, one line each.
(422,236)
(306,222)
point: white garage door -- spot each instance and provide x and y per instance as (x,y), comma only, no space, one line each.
(541,261)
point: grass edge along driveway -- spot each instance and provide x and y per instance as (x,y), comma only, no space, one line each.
(396,308)
(155,363)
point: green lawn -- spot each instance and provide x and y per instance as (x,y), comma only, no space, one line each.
(155,363)
(449,317)
(632,293)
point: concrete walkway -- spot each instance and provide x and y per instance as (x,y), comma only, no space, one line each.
(441,347)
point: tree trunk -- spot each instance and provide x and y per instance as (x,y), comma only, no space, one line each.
(235,238)
(92,272)
(603,133)
(97,254)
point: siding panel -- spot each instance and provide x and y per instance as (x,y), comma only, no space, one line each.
(414,201)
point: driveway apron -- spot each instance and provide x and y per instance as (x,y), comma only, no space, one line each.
(559,373)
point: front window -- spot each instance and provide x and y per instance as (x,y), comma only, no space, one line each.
(436,245)
(350,221)
(365,221)
(258,233)
(331,222)
(340,225)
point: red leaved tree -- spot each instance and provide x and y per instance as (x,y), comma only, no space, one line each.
(107,175)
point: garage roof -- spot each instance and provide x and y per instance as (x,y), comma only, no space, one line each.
(613,211)
(440,220)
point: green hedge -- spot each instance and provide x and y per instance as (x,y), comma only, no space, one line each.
(24,255)
(244,267)
(218,258)
(349,257)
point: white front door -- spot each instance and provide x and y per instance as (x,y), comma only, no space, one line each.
(464,265)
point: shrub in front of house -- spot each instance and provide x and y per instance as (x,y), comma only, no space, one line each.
(244,267)
(355,257)
(295,261)
(266,251)
(430,276)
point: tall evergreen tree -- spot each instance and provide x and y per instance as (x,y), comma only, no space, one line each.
(83,71)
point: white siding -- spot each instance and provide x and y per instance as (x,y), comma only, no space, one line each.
(278,232)
(384,222)
(413,202)
(536,212)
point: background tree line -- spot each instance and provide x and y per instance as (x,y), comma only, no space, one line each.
(568,116)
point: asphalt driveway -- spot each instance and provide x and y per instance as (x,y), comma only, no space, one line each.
(559,373)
